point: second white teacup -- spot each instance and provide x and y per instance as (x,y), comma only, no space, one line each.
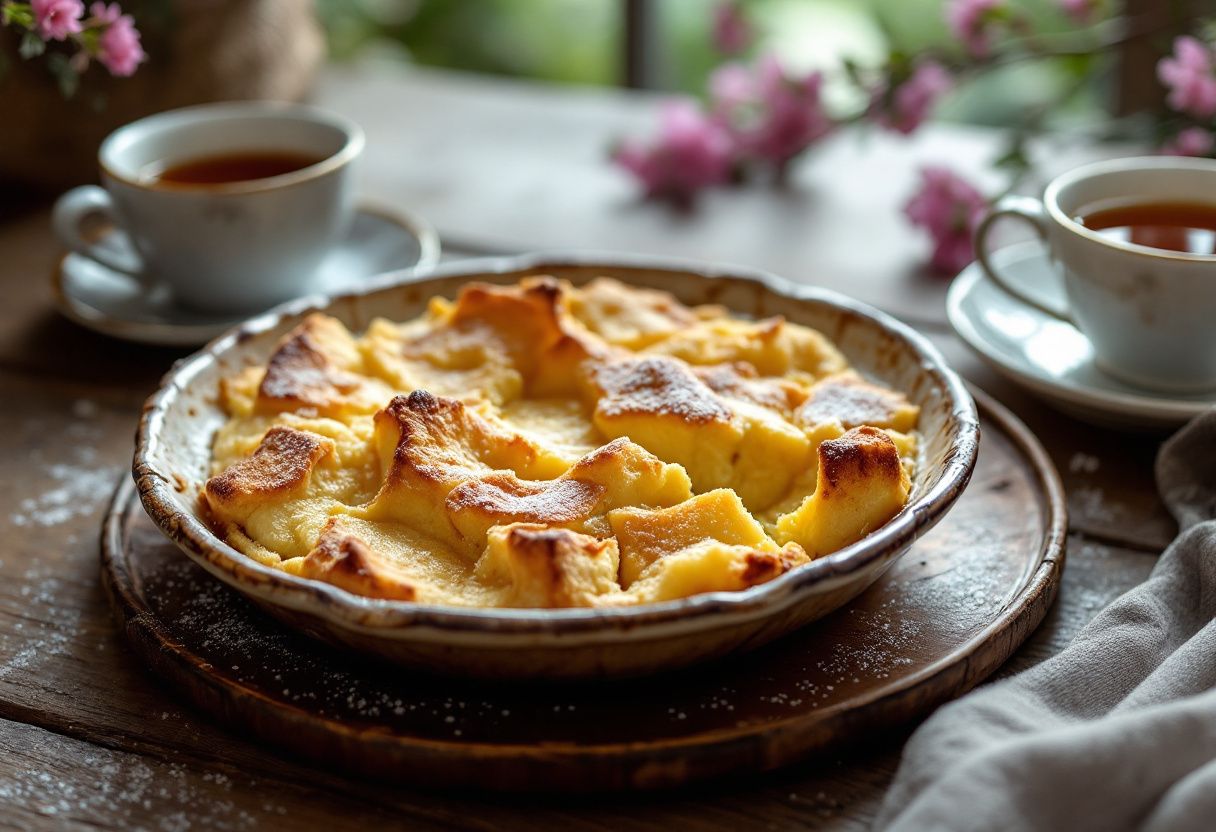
(1148,312)
(238,245)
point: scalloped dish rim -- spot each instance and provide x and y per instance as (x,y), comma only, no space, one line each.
(161,495)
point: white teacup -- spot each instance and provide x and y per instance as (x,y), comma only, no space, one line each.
(1149,313)
(220,246)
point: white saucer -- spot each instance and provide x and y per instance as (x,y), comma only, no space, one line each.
(1047,356)
(95,297)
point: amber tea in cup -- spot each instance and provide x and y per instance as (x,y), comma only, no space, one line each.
(1172,226)
(229,167)
(231,207)
(1133,252)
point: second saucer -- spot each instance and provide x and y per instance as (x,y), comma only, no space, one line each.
(1049,357)
(88,293)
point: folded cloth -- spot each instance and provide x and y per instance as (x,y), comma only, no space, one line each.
(1118,731)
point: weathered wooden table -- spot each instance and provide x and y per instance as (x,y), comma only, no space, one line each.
(88,738)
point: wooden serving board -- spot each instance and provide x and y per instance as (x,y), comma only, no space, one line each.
(941,620)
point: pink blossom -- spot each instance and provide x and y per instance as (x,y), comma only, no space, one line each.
(119,48)
(732,31)
(56,19)
(910,104)
(1192,141)
(949,208)
(103,13)
(1189,76)
(971,22)
(690,152)
(1079,10)
(772,116)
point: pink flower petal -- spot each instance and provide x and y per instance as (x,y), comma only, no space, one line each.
(57,19)
(1193,141)
(119,49)
(948,207)
(771,115)
(914,99)
(691,151)
(1189,76)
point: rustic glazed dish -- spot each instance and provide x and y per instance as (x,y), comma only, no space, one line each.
(173,450)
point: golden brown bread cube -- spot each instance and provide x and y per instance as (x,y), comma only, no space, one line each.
(645,536)
(278,469)
(317,367)
(629,316)
(428,446)
(772,347)
(861,484)
(711,566)
(852,401)
(546,567)
(348,562)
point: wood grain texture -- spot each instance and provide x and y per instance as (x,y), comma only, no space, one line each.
(51,781)
(939,621)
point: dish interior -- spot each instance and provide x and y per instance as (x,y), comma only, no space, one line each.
(185,422)
(542,445)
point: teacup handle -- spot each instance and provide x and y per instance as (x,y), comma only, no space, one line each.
(77,205)
(1031,210)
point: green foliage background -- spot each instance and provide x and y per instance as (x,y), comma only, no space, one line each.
(580,42)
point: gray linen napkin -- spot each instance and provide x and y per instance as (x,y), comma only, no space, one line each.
(1116,732)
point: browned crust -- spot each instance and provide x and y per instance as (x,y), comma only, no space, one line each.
(862,452)
(541,293)
(605,453)
(524,319)
(546,553)
(409,416)
(657,385)
(506,498)
(850,400)
(739,379)
(769,329)
(424,423)
(760,567)
(345,560)
(301,372)
(283,461)
(526,326)
(607,297)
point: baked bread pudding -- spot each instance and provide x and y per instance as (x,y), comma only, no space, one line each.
(541,445)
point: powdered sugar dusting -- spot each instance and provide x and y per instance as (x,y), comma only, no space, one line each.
(47,628)
(1081,463)
(79,482)
(79,491)
(1091,502)
(72,477)
(657,385)
(124,790)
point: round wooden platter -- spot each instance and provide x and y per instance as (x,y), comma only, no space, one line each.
(941,620)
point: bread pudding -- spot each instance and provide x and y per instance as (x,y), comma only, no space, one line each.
(542,445)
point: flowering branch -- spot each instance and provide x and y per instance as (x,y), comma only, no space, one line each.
(104,34)
(760,117)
